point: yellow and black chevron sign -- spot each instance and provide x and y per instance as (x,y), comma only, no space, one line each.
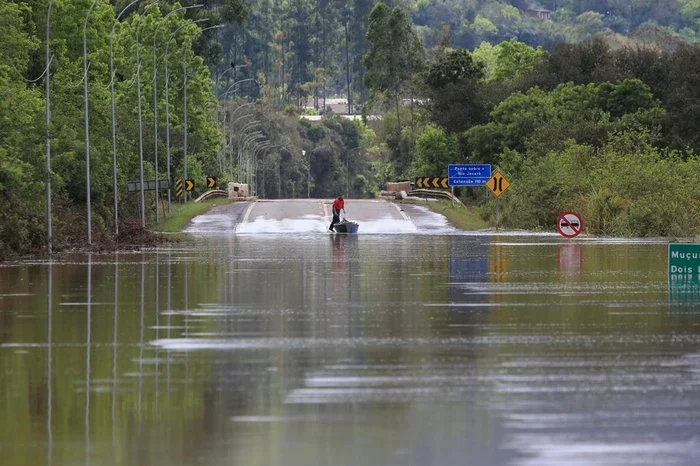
(189,184)
(432,182)
(211,182)
(178,187)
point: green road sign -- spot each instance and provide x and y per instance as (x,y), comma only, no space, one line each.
(684,263)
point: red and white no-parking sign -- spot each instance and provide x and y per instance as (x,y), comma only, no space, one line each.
(569,224)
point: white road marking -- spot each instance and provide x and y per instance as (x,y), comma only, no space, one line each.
(247,212)
(401,212)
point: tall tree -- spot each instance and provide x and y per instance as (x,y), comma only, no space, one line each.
(453,93)
(394,56)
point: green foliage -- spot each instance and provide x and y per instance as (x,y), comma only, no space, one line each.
(22,127)
(515,58)
(21,165)
(627,187)
(234,11)
(454,67)
(586,25)
(486,54)
(395,53)
(316,133)
(452,91)
(690,8)
(483,27)
(604,208)
(434,151)
(543,120)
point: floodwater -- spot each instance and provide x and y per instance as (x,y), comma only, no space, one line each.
(321,349)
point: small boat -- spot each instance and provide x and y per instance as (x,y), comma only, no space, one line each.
(346,226)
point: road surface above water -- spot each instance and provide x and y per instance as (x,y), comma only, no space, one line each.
(309,216)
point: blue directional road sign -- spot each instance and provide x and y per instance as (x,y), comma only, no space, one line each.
(468,174)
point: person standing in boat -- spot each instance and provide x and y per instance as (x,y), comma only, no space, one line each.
(338,205)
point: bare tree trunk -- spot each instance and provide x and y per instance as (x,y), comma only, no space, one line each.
(398,115)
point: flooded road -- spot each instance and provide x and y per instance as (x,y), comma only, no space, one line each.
(438,348)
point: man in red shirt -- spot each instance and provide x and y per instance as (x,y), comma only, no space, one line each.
(338,205)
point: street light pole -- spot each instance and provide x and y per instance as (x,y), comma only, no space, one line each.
(87,123)
(262,147)
(232,87)
(266,148)
(347,169)
(308,174)
(167,104)
(250,138)
(142,202)
(155,99)
(114,128)
(250,170)
(219,76)
(231,137)
(184,103)
(49,247)
(243,169)
(231,126)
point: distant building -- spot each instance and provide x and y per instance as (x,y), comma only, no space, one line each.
(540,13)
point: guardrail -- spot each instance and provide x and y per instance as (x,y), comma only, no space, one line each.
(212,193)
(422,193)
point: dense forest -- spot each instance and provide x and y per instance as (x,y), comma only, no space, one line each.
(583,105)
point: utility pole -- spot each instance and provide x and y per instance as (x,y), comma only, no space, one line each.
(49,247)
(347,69)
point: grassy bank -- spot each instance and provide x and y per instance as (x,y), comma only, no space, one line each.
(181,215)
(463,217)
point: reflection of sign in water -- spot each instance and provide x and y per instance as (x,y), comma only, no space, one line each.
(468,266)
(498,263)
(569,257)
(569,224)
(684,292)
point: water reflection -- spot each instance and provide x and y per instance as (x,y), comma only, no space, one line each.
(115,333)
(350,350)
(570,258)
(141,341)
(49,364)
(88,349)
